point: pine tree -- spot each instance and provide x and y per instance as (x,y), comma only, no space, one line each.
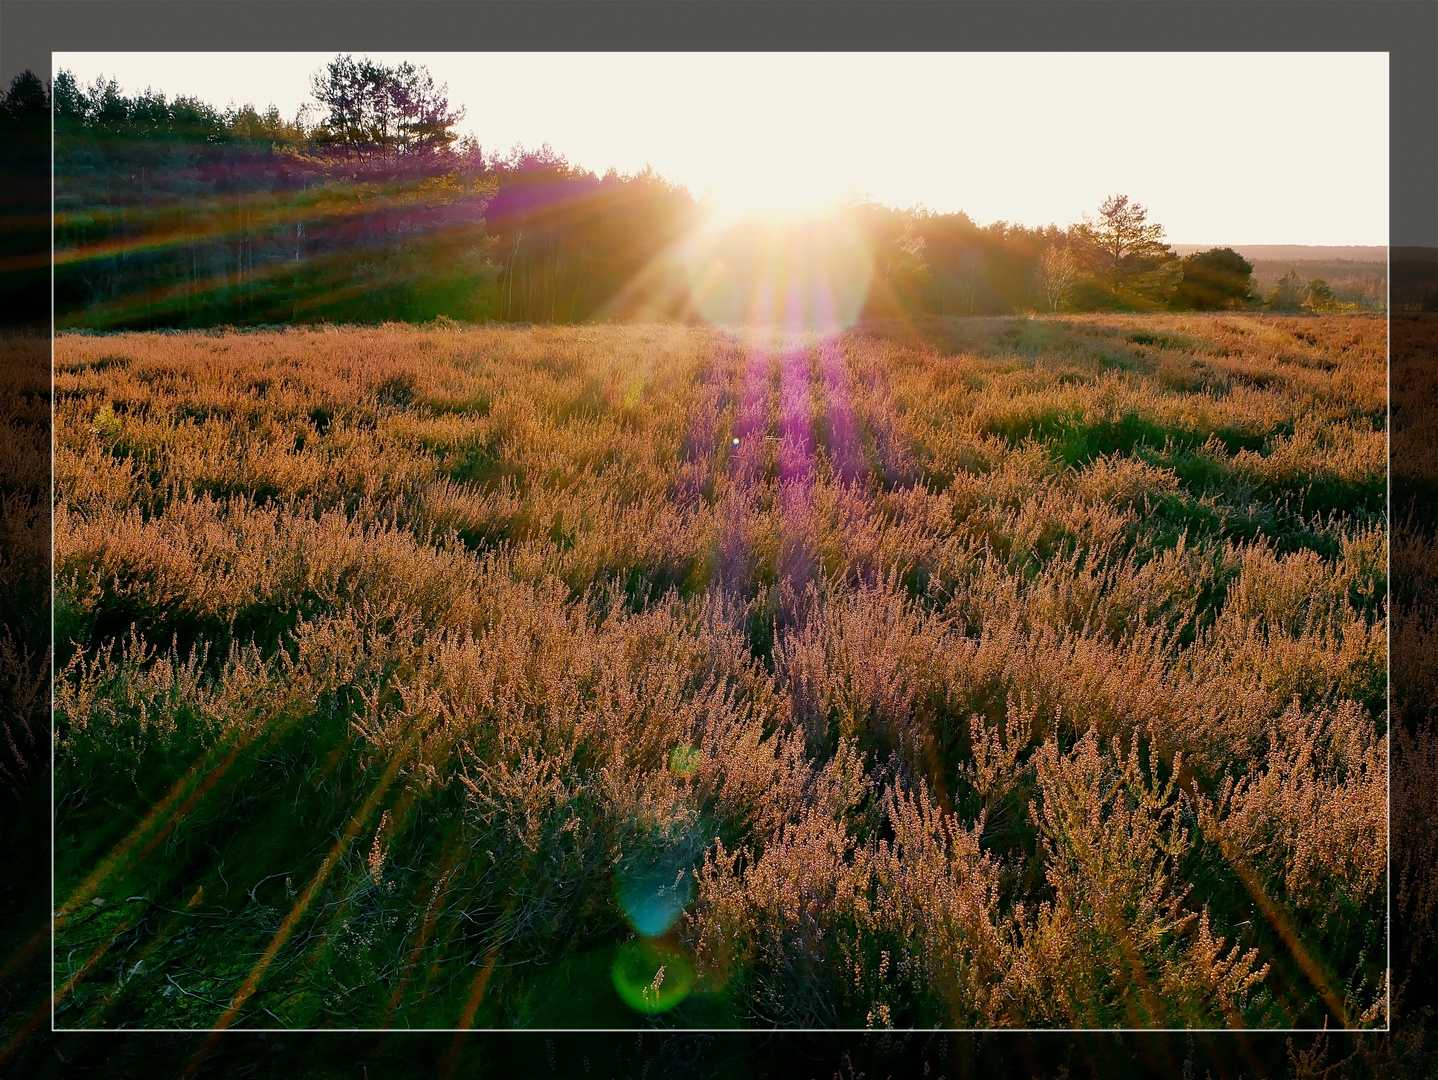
(1126,256)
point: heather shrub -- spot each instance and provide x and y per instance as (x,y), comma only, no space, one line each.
(1114,837)
(969,673)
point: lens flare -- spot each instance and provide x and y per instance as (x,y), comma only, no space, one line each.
(805,273)
(652,976)
(655,893)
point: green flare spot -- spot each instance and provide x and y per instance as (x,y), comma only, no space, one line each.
(652,976)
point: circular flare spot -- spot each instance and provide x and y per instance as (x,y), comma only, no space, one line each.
(654,895)
(652,976)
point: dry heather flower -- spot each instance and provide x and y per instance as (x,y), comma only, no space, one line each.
(1315,815)
(377,850)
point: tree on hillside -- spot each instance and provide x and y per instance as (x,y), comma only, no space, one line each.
(1215,280)
(1125,255)
(1320,296)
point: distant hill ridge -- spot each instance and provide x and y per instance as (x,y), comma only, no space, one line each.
(1296,252)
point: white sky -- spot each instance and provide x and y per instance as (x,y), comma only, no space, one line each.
(1223,148)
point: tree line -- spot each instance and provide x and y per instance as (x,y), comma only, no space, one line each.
(172,213)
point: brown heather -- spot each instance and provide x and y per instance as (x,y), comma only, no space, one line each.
(1006,673)
(1414,619)
(24,562)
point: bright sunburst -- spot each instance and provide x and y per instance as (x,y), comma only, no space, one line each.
(796,263)
(785,202)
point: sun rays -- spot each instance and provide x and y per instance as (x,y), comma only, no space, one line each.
(801,271)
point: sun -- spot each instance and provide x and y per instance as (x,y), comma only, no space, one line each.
(780,198)
(789,259)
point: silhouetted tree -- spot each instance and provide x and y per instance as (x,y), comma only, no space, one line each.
(1215,280)
(1125,255)
(26,97)
(377,111)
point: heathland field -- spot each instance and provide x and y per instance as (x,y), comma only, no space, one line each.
(1013,672)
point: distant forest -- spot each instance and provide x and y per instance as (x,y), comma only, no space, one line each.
(173,213)
(1361,284)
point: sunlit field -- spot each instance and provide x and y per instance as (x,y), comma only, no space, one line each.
(1023,672)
